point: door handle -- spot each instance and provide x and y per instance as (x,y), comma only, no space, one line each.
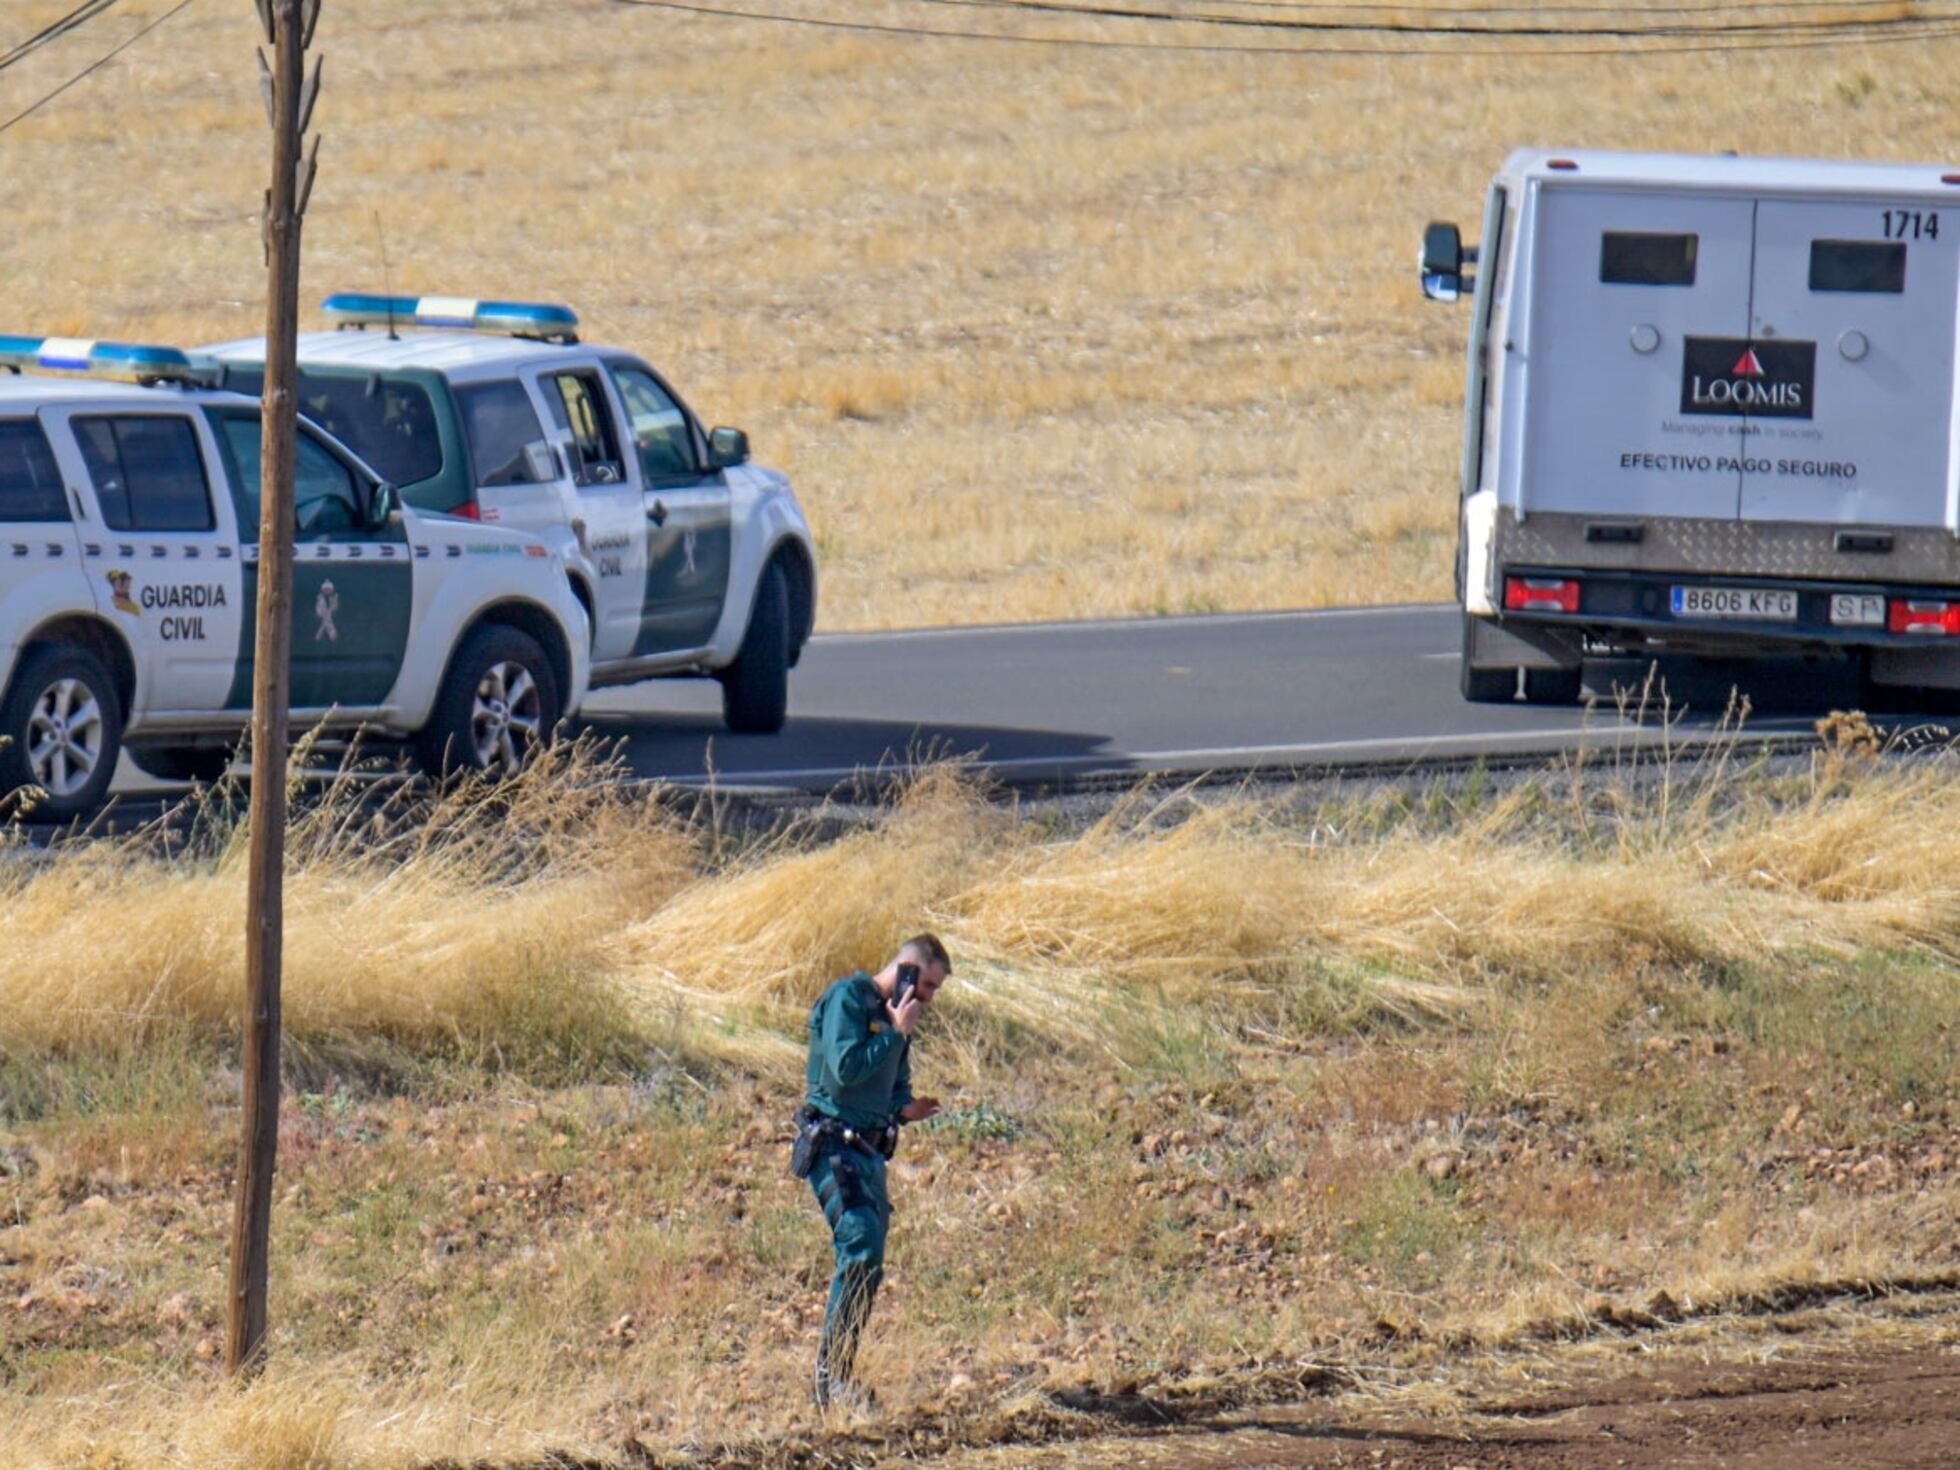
(658,515)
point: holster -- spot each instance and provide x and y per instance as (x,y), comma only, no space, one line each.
(809,1140)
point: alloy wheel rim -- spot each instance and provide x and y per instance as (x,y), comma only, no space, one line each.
(65,736)
(506,717)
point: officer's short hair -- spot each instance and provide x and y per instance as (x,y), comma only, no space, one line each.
(929,950)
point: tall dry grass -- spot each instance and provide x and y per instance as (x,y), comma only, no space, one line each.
(1040,333)
(417,920)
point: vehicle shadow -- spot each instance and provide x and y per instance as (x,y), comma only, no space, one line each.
(694,747)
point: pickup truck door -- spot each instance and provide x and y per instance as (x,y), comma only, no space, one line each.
(160,548)
(353,587)
(1633,290)
(600,490)
(1853,320)
(687,516)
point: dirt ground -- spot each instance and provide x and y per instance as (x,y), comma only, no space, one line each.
(1773,1399)
(1901,1410)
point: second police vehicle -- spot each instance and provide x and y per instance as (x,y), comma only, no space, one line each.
(1712,409)
(129,516)
(690,559)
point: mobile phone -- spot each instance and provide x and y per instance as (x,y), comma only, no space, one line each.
(908,979)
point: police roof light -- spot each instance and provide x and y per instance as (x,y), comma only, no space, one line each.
(135,360)
(538,319)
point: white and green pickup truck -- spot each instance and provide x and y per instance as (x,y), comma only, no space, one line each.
(129,516)
(691,559)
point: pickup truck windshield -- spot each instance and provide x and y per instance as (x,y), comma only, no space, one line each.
(389,423)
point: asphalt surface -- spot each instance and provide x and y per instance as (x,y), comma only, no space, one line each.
(1085,703)
(1034,704)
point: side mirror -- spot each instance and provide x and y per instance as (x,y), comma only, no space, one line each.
(728,448)
(1443,260)
(383,502)
(540,463)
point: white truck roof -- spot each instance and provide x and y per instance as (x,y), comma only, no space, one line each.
(30,391)
(458,354)
(1737,173)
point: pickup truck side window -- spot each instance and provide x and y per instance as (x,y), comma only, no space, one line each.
(578,405)
(30,482)
(147,472)
(1629,258)
(325,501)
(501,425)
(660,430)
(390,423)
(1877,267)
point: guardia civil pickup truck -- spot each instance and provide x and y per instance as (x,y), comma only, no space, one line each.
(129,517)
(1711,409)
(690,559)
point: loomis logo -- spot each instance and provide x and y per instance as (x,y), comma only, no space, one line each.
(1744,379)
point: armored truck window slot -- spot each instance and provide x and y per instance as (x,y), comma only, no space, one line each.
(30,481)
(1875,267)
(147,472)
(1629,258)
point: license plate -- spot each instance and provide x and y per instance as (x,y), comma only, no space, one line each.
(1759,604)
(1858,609)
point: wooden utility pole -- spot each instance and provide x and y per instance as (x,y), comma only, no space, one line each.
(289,97)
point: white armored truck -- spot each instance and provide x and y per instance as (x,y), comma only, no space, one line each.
(1711,409)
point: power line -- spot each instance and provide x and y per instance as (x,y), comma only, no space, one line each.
(95,66)
(1431,28)
(54,30)
(1678,46)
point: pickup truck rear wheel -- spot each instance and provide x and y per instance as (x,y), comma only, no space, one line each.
(1552,686)
(60,730)
(498,704)
(755,688)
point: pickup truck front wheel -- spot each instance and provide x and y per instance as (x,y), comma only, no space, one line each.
(498,704)
(755,688)
(60,732)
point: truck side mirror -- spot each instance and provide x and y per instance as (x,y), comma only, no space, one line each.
(728,448)
(382,503)
(1443,261)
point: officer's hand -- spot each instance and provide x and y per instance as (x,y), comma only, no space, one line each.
(906,1015)
(919,1109)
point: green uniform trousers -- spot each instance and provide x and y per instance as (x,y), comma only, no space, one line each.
(850,1187)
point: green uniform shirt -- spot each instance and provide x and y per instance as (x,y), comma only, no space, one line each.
(860,1068)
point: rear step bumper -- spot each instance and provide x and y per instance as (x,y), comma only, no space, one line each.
(1892,555)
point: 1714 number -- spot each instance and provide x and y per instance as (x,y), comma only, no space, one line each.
(1911,224)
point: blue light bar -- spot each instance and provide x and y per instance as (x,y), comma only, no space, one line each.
(135,360)
(539,319)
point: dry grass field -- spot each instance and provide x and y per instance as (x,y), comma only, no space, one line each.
(1040,332)
(1383,1083)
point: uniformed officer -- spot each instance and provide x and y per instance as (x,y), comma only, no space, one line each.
(860,1090)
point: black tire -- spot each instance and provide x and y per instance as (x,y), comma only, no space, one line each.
(205,764)
(473,712)
(63,692)
(755,688)
(1552,686)
(1484,686)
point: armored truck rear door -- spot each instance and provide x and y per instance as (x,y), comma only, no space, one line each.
(1854,323)
(1629,283)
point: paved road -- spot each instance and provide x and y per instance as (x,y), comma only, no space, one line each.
(1034,703)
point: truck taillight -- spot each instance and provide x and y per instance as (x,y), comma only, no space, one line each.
(1924,616)
(1541,594)
(468,510)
